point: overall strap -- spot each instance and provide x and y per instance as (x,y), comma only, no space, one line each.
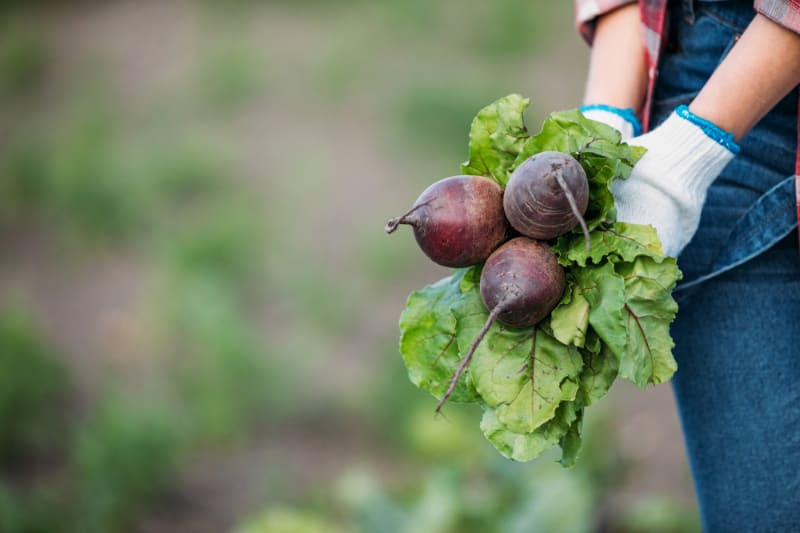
(653,15)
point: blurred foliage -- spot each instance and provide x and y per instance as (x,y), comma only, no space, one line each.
(218,243)
(510,28)
(35,511)
(255,275)
(72,177)
(180,173)
(659,515)
(287,520)
(23,56)
(436,118)
(230,74)
(24,179)
(484,494)
(124,456)
(222,374)
(89,190)
(382,260)
(32,390)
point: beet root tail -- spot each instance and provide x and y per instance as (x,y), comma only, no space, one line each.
(407,218)
(467,358)
(575,211)
(392,224)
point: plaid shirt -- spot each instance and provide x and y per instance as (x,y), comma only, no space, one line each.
(654,13)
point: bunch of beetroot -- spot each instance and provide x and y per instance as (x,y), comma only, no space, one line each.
(551,299)
(462,221)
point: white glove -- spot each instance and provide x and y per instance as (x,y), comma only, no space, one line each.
(622,120)
(667,188)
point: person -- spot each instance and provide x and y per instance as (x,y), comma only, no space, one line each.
(716,84)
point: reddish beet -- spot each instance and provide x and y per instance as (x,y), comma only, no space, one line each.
(547,195)
(457,221)
(521,283)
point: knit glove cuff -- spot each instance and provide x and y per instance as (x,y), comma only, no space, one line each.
(622,120)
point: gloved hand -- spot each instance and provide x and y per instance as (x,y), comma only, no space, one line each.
(622,120)
(667,187)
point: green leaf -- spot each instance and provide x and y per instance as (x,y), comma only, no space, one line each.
(570,132)
(570,319)
(567,132)
(516,446)
(649,310)
(428,339)
(570,442)
(604,290)
(600,369)
(471,279)
(527,446)
(524,374)
(496,137)
(649,278)
(603,170)
(621,241)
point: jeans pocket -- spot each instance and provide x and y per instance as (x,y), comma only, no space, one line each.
(723,14)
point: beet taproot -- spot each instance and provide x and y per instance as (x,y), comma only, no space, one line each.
(547,195)
(520,284)
(458,221)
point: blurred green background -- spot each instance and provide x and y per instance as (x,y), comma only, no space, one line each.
(198,304)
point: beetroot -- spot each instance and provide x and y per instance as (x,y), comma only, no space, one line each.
(547,195)
(521,283)
(523,280)
(458,221)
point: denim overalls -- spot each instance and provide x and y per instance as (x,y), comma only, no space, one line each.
(737,333)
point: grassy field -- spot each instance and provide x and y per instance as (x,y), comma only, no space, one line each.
(198,304)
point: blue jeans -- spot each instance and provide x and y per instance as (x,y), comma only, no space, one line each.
(737,333)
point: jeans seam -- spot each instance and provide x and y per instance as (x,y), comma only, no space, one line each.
(721,19)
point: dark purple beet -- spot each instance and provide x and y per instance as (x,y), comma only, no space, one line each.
(457,221)
(547,195)
(521,283)
(524,280)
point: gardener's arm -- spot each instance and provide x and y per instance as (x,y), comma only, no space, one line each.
(757,73)
(617,82)
(617,67)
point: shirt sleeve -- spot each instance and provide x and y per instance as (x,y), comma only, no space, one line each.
(587,11)
(784,12)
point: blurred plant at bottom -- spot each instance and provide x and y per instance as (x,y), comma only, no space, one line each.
(123,457)
(659,515)
(60,471)
(115,465)
(484,492)
(32,389)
